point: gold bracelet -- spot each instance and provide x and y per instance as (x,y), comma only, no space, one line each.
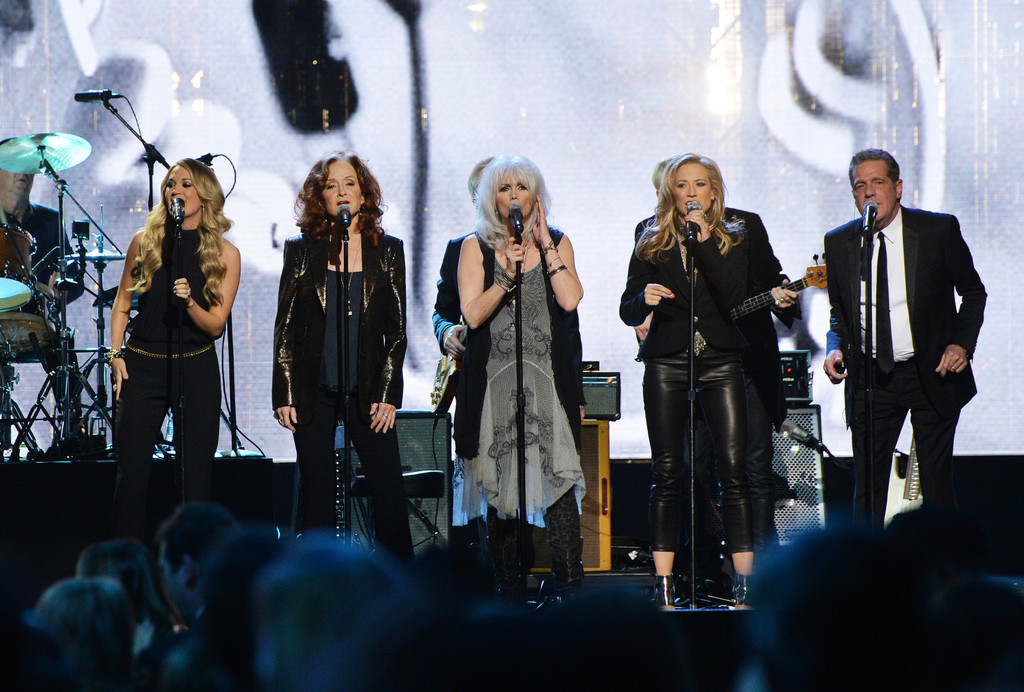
(549,247)
(112,354)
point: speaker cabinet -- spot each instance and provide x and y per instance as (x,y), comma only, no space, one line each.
(799,498)
(424,442)
(595,517)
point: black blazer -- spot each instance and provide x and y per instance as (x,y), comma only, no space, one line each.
(937,262)
(447,308)
(301,320)
(763,272)
(720,286)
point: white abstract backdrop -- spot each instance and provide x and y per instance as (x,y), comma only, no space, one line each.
(780,93)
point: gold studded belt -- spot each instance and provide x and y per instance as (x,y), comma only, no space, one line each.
(173,356)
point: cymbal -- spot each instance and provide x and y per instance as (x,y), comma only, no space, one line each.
(25,154)
(97,256)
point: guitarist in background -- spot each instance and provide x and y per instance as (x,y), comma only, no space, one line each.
(448,327)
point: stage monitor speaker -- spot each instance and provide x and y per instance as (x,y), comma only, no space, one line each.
(799,498)
(424,442)
(595,517)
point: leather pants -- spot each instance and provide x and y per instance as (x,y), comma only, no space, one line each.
(720,390)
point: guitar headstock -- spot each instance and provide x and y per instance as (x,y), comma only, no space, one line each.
(816,276)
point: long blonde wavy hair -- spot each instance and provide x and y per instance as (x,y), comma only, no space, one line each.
(212,227)
(663,234)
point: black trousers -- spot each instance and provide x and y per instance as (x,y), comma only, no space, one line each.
(315,454)
(760,475)
(895,395)
(721,394)
(149,392)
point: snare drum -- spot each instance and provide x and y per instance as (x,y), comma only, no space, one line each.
(13,294)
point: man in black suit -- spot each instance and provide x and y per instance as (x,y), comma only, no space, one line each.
(922,362)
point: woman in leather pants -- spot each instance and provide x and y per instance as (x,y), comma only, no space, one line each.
(658,284)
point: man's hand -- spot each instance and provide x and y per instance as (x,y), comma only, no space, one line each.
(953,360)
(453,344)
(833,365)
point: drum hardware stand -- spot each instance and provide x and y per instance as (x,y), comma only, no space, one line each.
(98,410)
(11,415)
(68,399)
(63,376)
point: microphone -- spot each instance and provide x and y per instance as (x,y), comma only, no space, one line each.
(345,215)
(515,212)
(870,211)
(692,229)
(178,210)
(794,431)
(96,95)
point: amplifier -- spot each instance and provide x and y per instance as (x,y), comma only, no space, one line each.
(796,376)
(603,395)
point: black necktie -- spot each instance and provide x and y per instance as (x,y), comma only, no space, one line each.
(883,328)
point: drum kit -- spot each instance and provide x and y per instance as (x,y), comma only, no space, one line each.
(33,317)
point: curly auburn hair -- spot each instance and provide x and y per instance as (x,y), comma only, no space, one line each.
(311,212)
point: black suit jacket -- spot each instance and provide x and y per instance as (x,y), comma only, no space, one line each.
(937,263)
(720,286)
(301,320)
(447,308)
(763,272)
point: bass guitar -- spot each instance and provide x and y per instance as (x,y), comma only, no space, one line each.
(815,276)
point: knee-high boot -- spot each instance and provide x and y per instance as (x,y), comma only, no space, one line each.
(565,543)
(501,542)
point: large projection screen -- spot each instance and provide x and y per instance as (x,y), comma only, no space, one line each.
(780,93)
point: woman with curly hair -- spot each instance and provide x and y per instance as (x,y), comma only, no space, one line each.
(307,386)
(146,368)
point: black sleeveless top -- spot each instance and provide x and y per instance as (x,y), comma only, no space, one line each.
(155,327)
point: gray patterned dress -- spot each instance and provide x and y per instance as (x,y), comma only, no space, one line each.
(552,462)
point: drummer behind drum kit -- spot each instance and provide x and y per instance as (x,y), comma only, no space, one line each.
(33,320)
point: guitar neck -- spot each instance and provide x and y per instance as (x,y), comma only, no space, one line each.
(763,300)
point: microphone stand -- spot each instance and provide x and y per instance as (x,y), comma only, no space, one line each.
(181,428)
(152,155)
(691,401)
(343,475)
(521,524)
(867,275)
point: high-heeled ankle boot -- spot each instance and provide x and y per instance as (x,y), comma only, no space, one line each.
(665,591)
(740,590)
